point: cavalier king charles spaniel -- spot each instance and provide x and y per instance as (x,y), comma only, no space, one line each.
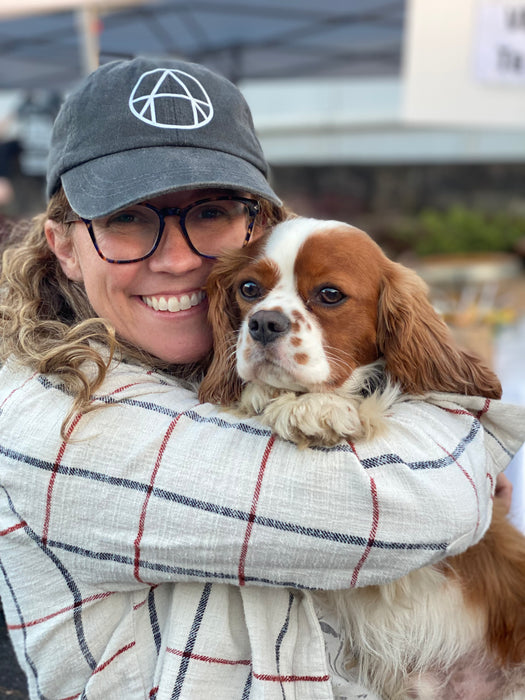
(318,333)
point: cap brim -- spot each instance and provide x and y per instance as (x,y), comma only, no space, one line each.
(101,186)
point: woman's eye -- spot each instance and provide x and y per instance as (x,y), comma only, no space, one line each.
(330,295)
(211,213)
(122,218)
(250,290)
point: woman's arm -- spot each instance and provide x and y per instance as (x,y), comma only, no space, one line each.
(155,487)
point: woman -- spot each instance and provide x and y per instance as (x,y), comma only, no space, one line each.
(152,547)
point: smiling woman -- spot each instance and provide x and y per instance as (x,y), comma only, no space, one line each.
(152,545)
(161,238)
(155,301)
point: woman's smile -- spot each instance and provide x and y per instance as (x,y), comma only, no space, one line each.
(174,303)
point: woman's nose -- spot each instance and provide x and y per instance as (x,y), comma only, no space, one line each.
(174,253)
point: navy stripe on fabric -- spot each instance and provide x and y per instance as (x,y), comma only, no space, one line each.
(367,463)
(130,561)
(111,399)
(234,513)
(70,583)
(280,638)
(179,570)
(192,638)
(248,686)
(499,443)
(154,620)
(28,659)
(440,463)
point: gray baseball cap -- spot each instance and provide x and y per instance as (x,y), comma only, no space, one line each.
(137,129)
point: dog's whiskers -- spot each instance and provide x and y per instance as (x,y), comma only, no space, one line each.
(338,362)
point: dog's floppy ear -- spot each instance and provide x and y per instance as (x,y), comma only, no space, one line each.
(221,384)
(418,347)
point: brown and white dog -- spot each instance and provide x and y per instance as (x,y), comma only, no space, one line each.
(318,333)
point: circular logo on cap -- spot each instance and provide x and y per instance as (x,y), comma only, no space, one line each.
(170,99)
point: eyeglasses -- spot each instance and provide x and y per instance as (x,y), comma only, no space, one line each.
(209,226)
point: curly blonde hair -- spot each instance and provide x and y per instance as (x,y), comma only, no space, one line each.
(47,322)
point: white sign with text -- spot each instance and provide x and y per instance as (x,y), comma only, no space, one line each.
(500,42)
(464,64)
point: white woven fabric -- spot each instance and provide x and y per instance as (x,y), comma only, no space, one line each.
(165,549)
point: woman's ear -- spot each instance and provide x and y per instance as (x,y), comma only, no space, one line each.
(61,243)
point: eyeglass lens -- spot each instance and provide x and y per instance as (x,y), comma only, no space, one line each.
(211,226)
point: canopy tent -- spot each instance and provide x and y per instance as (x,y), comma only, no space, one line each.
(243,39)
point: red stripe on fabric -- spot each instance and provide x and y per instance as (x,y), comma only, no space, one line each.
(39,620)
(290,679)
(492,489)
(139,605)
(123,388)
(153,692)
(468,478)
(143,602)
(483,410)
(104,665)
(13,528)
(115,655)
(142,520)
(209,659)
(251,517)
(52,479)
(373,531)
(456,411)
(17,389)
(463,411)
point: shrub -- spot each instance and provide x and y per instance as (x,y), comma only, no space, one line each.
(461,230)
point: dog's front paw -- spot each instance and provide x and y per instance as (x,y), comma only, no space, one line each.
(313,419)
(254,399)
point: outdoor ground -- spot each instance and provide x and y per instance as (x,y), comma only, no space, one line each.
(12,682)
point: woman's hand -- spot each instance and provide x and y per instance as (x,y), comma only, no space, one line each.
(504,490)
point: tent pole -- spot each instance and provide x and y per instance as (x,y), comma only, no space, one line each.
(88,26)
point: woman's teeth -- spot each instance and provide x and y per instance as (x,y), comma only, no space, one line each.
(174,304)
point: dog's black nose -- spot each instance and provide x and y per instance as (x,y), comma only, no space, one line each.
(267,326)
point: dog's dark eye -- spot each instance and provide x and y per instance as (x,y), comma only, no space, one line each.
(250,290)
(330,295)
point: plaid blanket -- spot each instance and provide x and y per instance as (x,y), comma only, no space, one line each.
(166,549)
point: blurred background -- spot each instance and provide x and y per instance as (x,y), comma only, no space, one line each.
(403,117)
